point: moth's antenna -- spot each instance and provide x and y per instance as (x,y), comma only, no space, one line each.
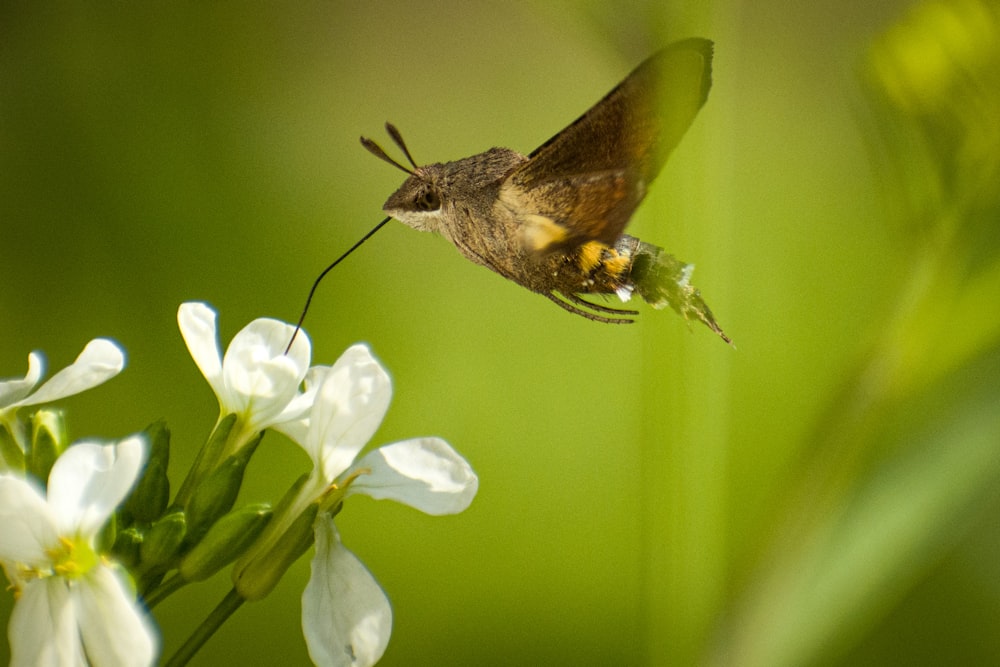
(398,140)
(302,317)
(377,151)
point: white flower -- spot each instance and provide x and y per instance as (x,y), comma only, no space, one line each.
(256,379)
(73,607)
(346,617)
(100,361)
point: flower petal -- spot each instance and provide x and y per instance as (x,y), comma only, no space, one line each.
(115,630)
(100,361)
(352,400)
(90,480)
(13,390)
(196,321)
(260,378)
(296,429)
(27,527)
(346,618)
(424,473)
(42,628)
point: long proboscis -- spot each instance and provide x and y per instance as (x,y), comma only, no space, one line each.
(312,291)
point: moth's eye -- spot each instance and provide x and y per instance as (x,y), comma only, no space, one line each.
(428,201)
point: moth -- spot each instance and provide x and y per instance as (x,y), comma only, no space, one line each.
(553,221)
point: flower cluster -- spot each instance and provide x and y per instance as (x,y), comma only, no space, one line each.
(83,582)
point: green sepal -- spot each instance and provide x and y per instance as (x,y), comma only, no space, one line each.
(255,579)
(162,542)
(207,457)
(48,441)
(148,500)
(225,541)
(217,493)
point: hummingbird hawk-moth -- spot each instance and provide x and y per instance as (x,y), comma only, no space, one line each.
(552,221)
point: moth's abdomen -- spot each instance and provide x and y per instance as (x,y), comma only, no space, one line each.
(603,269)
(633,266)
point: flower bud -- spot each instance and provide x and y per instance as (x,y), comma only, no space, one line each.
(149,499)
(216,494)
(225,541)
(254,579)
(11,456)
(127,546)
(163,540)
(48,441)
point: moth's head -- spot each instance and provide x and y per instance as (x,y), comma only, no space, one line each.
(417,203)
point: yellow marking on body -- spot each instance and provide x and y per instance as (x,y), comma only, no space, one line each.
(617,263)
(595,254)
(590,255)
(541,232)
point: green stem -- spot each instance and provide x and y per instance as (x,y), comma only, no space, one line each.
(212,622)
(164,590)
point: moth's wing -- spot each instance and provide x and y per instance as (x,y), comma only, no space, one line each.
(616,148)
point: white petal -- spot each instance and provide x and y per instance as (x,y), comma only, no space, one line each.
(425,473)
(350,405)
(115,629)
(296,430)
(314,378)
(100,361)
(13,390)
(90,480)
(43,630)
(196,321)
(346,618)
(27,527)
(260,378)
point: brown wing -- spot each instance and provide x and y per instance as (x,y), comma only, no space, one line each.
(585,182)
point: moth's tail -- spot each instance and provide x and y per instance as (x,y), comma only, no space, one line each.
(663,280)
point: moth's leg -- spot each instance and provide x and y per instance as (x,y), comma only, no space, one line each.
(603,309)
(590,316)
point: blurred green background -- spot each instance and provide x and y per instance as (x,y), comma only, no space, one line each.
(825,494)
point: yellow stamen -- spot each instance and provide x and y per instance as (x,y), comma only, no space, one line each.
(335,492)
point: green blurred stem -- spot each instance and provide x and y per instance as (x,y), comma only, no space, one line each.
(164,590)
(904,359)
(841,436)
(213,622)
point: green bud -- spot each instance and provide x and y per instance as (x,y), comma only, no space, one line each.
(163,540)
(291,495)
(149,499)
(48,441)
(216,494)
(11,456)
(256,578)
(127,546)
(225,541)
